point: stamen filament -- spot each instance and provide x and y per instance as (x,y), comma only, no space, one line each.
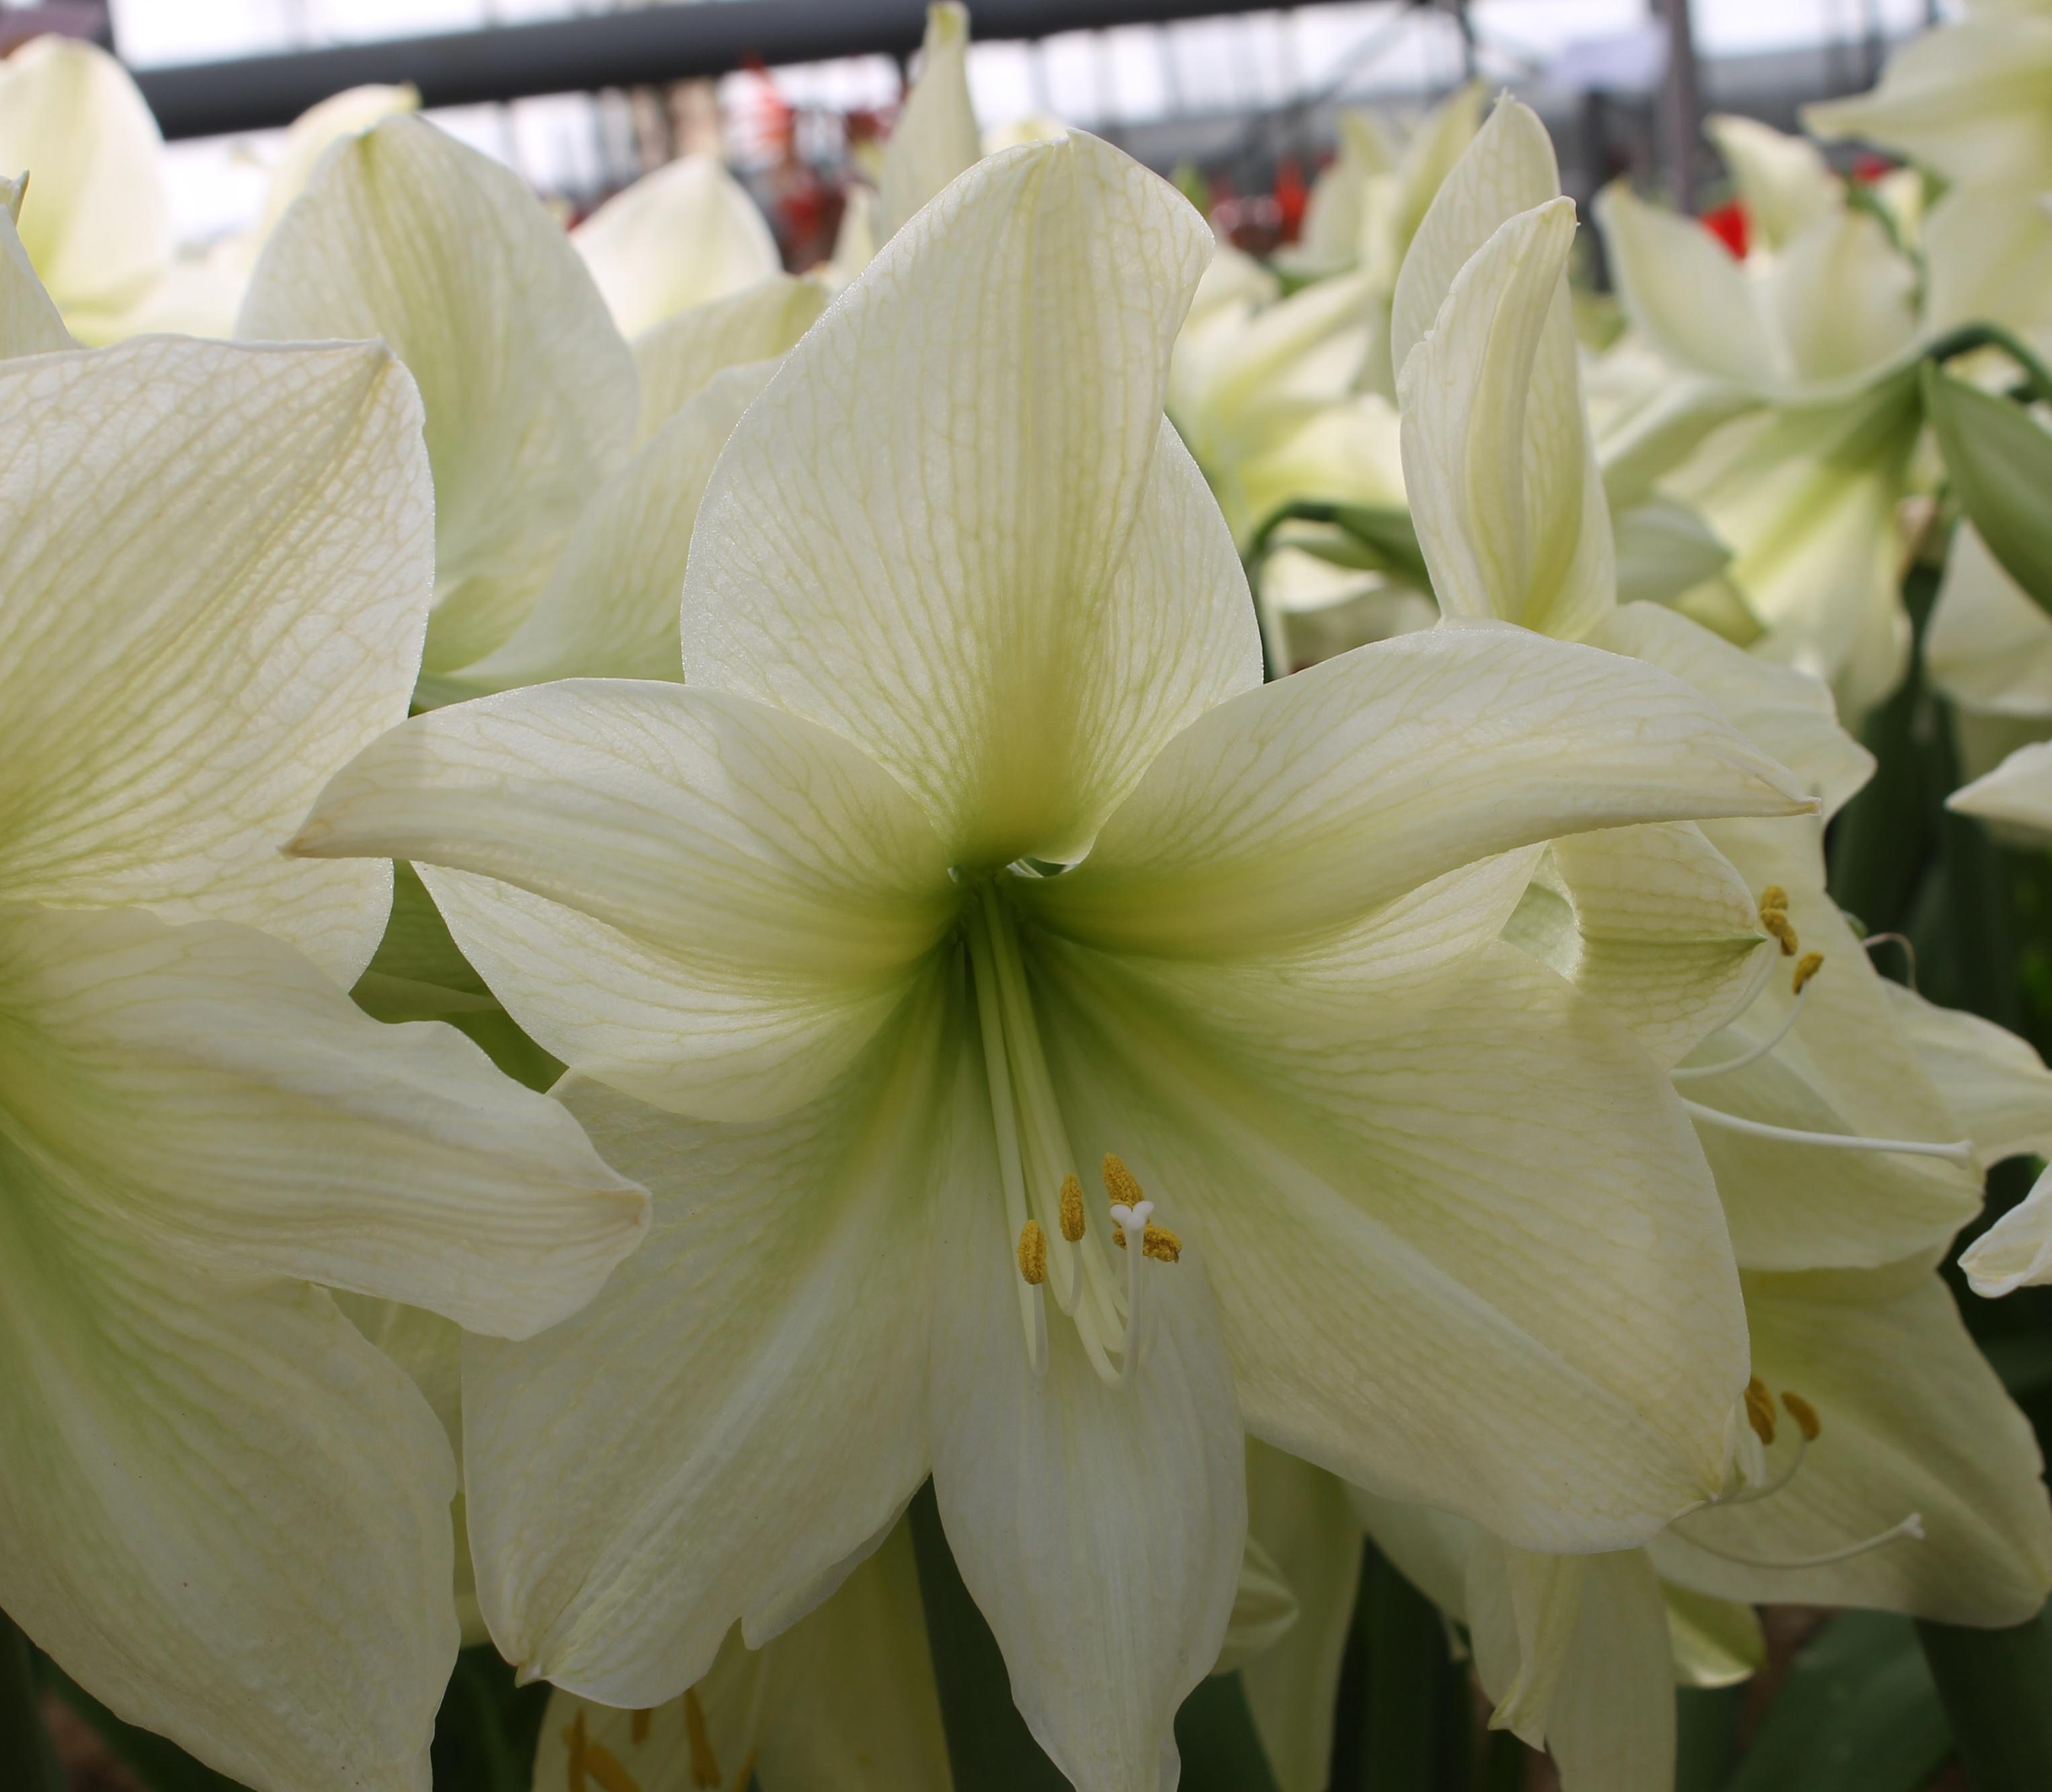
(1911,1526)
(1687,1073)
(1960,1152)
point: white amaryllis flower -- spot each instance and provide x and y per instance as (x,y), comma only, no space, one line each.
(567,465)
(960,614)
(99,228)
(1972,101)
(227,1513)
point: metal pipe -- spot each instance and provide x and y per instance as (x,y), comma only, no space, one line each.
(1680,107)
(642,43)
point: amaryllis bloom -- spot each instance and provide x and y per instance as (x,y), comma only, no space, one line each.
(1051,1047)
(227,1514)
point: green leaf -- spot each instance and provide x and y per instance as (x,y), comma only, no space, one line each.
(1371,537)
(1997,1687)
(1858,1713)
(2000,462)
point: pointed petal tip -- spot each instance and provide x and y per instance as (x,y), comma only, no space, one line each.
(526,1673)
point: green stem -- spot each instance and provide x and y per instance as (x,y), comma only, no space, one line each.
(1996,1686)
(1971,336)
(25,1739)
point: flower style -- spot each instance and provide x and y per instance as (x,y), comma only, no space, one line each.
(228,1513)
(974,856)
(566,464)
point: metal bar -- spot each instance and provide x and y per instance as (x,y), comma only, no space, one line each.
(1681,109)
(657,43)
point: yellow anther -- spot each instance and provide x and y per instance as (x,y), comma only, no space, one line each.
(1779,925)
(637,1726)
(1806,966)
(1160,1243)
(1759,1409)
(1072,1209)
(1033,1253)
(573,1740)
(1120,1183)
(1804,1414)
(705,1764)
(1773,897)
(605,1767)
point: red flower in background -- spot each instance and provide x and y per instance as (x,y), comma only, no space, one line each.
(1291,196)
(1730,225)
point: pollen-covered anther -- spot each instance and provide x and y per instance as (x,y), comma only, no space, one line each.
(1759,1411)
(1160,1243)
(1033,1253)
(1806,966)
(1804,1414)
(1072,1209)
(1120,1183)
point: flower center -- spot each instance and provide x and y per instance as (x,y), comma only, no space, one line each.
(1774,918)
(1057,1249)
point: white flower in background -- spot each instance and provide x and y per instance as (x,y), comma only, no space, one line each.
(801,930)
(228,1514)
(1971,99)
(566,464)
(98,227)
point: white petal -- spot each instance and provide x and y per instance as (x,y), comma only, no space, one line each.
(1393,1202)
(347,114)
(406,234)
(1099,1529)
(746,1403)
(609,610)
(96,221)
(28,320)
(1988,646)
(212,1090)
(1783,183)
(936,136)
(1996,1083)
(213,576)
(1914,1420)
(2016,1251)
(1716,1642)
(1664,552)
(1684,293)
(955,527)
(685,234)
(2017,795)
(1785,713)
(1610,1725)
(696,899)
(227,1514)
(1844,298)
(1508,168)
(1987,258)
(1497,457)
(1304,804)
(678,360)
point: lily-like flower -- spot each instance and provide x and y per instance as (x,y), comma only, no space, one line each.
(974,857)
(228,1513)
(98,228)
(566,464)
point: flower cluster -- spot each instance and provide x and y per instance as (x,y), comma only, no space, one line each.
(711,893)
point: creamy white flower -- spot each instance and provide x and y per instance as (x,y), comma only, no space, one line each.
(801,930)
(228,1513)
(566,466)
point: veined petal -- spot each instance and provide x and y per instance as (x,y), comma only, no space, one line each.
(1301,805)
(97,223)
(1913,1420)
(1652,922)
(957,529)
(609,610)
(1100,1530)
(1302,1516)
(699,899)
(227,1514)
(936,136)
(1996,1083)
(1684,293)
(2018,794)
(347,114)
(28,320)
(1498,456)
(1375,1194)
(1787,713)
(679,359)
(1611,1724)
(1508,168)
(776,1421)
(207,1087)
(1988,646)
(2016,1251)
(686,233)
(1783,182)
(214,567)
(407,234)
